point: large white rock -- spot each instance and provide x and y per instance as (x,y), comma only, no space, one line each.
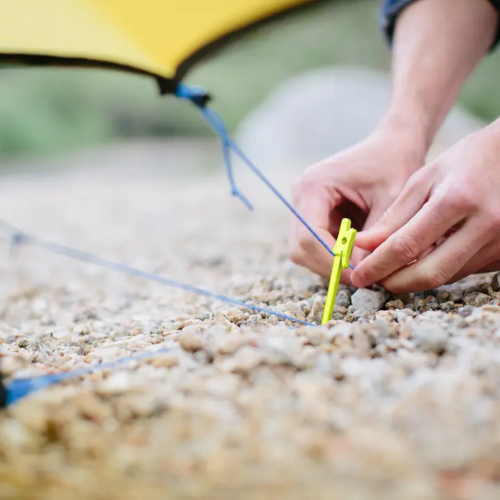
(316,114)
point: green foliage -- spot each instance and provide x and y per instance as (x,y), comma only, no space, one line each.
(49,110)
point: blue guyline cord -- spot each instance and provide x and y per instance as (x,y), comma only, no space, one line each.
(21,388)
(18,238)
(24,387)
(198,97)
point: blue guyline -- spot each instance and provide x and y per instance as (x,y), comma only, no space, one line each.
(24,387)
(20,238)
(21,388)
(217,124)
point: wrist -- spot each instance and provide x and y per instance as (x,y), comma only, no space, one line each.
(410,130)
(407,138)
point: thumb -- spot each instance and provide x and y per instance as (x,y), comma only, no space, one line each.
(404,207)
(365,243)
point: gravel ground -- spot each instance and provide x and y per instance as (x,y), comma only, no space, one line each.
(399,398)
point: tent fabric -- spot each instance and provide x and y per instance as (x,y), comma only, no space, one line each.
(156,37)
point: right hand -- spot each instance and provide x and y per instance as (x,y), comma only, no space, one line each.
(359,183)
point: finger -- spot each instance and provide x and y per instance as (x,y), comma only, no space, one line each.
(439,267)
(414,195)
(485,261)
(432,222)
(376,212)
(315,204)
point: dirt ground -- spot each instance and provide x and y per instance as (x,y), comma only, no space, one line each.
(397,399)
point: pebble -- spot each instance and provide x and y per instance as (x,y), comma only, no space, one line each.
(244,361)
(395,304)
(343,330)
(430,338)
(365,300)
(390,400)
(477,299)
(343,299)
(465,310)
(191,341)
(495,282)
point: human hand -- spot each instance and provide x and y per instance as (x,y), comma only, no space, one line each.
(445,224)
(360,184)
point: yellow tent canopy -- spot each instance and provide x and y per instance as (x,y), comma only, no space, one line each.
(161,38)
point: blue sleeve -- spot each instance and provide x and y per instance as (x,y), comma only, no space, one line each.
(392,8)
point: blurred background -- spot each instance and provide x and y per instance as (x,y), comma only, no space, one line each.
(49,111)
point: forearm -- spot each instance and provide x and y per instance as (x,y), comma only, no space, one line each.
(436,45)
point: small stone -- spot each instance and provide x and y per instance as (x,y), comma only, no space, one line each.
(305,306)
(342,311)
(204,316)
(491,308)
(229,344)
(316,313)
(361,341)
(315,336)
(456,295)
(358,315)
(486,288)
(431,303)
(23,343)
(477,299)
(424,302)
(442,295)
(343,299)
(190,341)
(168,360)
(430,338)
(117,383)
(341,330)
(365,300)
(404,315)
(392,344)
(338,316)
(202,357)
(395,304)
(244,361)
(82,329)
(386,315)
(407,344)
(495,282)
(465,311)
(448,306)
(10,339)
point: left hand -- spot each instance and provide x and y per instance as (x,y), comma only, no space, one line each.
(444,225)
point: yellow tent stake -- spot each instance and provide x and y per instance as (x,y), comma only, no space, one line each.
(342,250)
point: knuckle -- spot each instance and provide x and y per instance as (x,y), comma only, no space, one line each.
(433,278)
(461,197)
(420,178)
(415,181)
(405,248)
